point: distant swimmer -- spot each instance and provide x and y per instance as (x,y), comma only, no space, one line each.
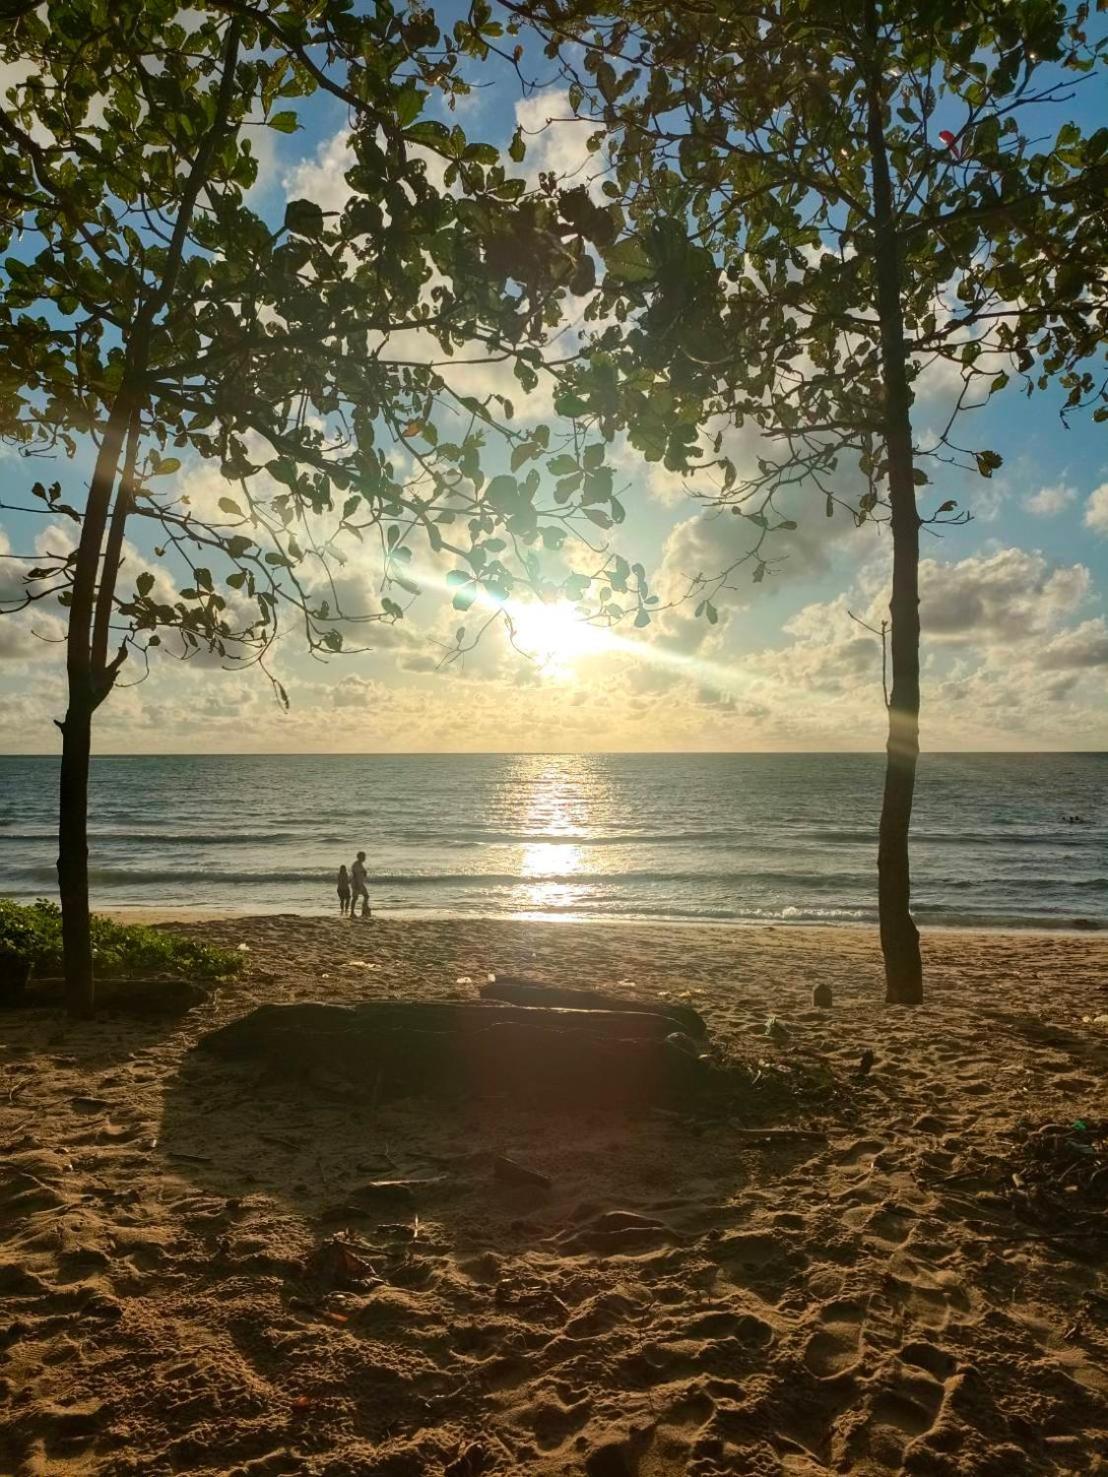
(358,887)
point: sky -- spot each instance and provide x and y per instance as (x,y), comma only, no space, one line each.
(1015,652)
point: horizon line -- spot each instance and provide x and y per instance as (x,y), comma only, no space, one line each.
(537,753)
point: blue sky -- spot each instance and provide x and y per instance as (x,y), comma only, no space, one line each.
(1016,645)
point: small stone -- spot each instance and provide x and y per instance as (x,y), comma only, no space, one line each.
(821,996)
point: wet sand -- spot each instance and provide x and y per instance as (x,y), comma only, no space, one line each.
(194,1279)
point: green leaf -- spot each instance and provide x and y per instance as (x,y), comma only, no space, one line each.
(304,218)
(408,103)
(284,122)
(228,505)
(165,466)
(282,470)
(569,403)
(517,148)
(144,584)
(503,495)
(988,462)
(430,133)
(629,261)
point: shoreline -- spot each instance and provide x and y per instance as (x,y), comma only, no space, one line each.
(159,914)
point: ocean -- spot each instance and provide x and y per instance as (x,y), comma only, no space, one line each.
(733,838)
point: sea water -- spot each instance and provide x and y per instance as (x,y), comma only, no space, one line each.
(685,837)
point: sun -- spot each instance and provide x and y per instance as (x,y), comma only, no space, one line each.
(555,635)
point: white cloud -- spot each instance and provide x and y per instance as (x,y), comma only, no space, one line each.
(556,143)
(27,632)
(1096,510)
(323,178)
(263,146)
(1048,502)
(1085,645)
(12,587)
(1000,597)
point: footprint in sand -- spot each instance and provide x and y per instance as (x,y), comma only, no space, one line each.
(859,1152)
(934,1360)
(836,1346)
(552,1420)
(891,1224)
(932,1302)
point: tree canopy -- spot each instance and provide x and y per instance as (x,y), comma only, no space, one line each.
(811,206)
(300,356)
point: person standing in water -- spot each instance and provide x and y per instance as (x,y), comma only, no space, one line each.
(344,891)
(358,887)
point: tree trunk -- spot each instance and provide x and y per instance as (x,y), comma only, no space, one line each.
(90,675)
(899,935)
(77,727)
(73,856)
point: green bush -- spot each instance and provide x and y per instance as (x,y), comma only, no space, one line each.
(119,950)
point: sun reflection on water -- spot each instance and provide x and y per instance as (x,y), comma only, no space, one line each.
(562,796)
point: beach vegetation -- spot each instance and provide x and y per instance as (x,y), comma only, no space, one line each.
(32,933)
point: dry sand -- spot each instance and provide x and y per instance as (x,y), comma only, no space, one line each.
(879,1297)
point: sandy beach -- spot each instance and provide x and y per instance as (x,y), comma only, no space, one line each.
(191,1282)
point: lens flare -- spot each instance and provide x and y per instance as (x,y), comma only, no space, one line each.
(555,635)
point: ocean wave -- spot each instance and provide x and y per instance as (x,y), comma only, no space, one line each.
(709,879)
(948,917)
(761,840)
(194,839)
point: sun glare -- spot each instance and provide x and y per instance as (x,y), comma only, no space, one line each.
(555,635)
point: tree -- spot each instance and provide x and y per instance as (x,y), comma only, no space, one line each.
(149,308)
(811,204)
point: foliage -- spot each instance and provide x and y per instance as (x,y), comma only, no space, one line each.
(122,951)
(794,237)
(299,357)
(739,288)
(150,311)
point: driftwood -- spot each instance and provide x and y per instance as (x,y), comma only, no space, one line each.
(516,991)
(391,1048)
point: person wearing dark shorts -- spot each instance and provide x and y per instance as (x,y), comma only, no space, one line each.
(344,890)
(358,888)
